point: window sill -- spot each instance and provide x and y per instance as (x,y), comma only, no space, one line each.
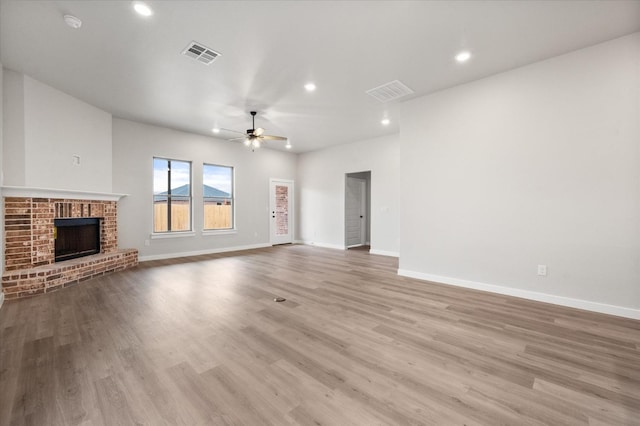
(209,232)
(177,234)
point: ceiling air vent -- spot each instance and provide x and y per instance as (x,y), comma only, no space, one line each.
(390,91)
(200,53)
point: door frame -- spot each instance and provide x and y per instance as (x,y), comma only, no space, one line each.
(363,211)
(366,175)
(291,212)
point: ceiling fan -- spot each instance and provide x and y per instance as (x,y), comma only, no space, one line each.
(255,138)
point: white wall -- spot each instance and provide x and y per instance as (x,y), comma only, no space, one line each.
(45,129)
(135,145)
(13,158)
(321,192)
(539,165)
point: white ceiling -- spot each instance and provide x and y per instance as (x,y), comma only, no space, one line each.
(132,66)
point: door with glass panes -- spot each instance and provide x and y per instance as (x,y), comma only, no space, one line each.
(281,211)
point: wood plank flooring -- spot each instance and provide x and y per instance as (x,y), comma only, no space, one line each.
(199,341)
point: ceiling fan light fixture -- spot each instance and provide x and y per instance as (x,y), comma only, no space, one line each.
(254,137)
(288,145)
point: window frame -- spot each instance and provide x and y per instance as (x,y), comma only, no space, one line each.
(169,232)
(218,231)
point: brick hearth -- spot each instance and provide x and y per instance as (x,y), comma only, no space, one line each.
(30,266)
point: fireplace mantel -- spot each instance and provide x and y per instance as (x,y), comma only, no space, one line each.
(23,191)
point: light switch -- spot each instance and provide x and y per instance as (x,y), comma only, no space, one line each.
(542,270)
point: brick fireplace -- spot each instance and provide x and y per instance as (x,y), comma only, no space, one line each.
(29,244)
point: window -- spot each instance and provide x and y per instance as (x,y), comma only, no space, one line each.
(171,195)
(218,196)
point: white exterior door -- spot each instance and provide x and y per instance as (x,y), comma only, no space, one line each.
(281,211)
(355,211)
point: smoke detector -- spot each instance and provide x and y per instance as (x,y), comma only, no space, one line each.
(390,91)
(72,21)
(200,53)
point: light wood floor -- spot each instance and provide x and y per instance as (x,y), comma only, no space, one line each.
(200,341)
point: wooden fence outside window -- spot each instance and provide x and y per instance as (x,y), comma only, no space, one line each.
(215,216)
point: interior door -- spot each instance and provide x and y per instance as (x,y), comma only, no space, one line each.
(355,212)
(281,211)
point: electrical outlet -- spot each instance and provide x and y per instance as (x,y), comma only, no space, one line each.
(542,270)
(147,243)
(76,160)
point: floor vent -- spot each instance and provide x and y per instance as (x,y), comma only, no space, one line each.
(200,53)
(390,91)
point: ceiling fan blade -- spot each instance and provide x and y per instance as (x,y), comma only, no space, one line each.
(232,131)
(237,139)
(273,138)
(259,131)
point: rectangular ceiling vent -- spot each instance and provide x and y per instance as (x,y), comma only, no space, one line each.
(390,91)
(200,53)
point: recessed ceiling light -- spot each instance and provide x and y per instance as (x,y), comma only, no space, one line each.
(385,121)
(215,130)
(310,87)
(72,21)
(463,56)
(142,9)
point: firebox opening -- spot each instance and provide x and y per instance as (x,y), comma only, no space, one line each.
(76,237)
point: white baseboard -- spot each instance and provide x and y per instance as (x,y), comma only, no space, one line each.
(385,253)
(337,247)
(1,298)
(527,294)
(201,252)
(323,245)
